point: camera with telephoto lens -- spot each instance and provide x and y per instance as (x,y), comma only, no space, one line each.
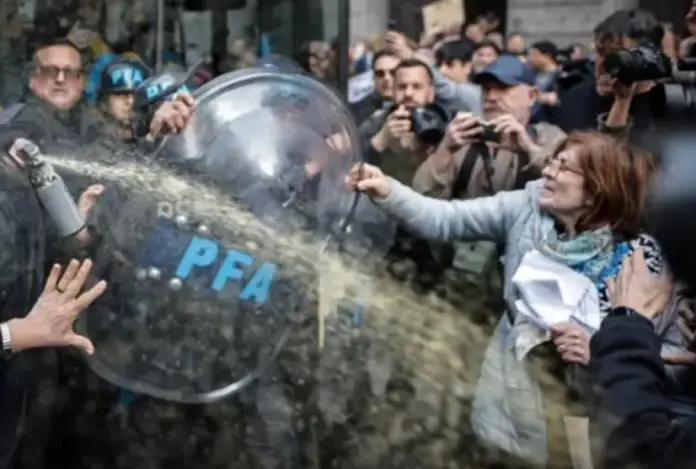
(429,122)
(639,64)
(675,93)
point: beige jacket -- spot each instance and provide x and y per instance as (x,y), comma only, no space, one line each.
(505,166)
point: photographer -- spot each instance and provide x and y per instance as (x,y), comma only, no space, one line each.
(455,97)
(482,157)
(395,148)
(601,98)
(636,421)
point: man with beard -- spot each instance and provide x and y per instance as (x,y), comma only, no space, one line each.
(471,162)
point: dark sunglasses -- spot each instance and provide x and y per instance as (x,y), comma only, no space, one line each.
(384,73)
(53,72)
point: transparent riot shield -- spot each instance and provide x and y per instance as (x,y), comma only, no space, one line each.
(212,248)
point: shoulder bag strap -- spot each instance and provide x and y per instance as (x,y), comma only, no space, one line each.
(466,169)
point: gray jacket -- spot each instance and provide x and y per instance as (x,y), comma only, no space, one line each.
(508,401)
(509,217)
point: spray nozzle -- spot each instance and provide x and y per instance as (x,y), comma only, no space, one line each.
(26,151)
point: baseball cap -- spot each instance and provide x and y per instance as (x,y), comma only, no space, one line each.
(508,70)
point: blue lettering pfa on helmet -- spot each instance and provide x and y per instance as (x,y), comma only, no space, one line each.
(123,77)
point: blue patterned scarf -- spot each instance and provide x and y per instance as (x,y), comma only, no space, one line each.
(595,254)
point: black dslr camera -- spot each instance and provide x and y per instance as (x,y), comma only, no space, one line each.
(676,98)
(640,64)
(429,122)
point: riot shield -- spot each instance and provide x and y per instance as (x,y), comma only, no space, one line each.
(212,247)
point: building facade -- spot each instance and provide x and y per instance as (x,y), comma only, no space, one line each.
(561,21)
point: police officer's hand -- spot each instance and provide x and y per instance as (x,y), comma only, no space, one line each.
(173,116)
(84,205)
(50,322)
(369,179)
(88,198)
(462,130)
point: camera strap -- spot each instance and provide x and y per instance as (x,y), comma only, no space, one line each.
(466,169)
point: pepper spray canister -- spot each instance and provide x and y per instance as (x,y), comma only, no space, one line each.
(50,189)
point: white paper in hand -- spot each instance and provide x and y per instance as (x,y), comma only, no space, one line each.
(553,293)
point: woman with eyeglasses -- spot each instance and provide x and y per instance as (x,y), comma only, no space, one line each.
(586,214)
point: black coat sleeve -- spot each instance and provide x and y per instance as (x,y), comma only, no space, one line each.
(30,123)
(632,400)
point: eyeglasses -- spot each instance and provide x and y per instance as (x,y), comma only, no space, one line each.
(53,72)
(383,73)
(560,165)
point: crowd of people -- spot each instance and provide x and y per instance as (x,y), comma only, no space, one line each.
(486,154)
(512,120)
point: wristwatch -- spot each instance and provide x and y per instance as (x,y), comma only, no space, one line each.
(6,339)
(623,311)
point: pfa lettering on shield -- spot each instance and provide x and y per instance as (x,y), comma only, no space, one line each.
(162,86)
(204,253)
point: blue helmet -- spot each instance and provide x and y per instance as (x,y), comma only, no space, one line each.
(123,76)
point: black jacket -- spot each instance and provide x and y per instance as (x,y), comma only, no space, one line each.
(24,240)
(43,124)
(366,106)
(633,420)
